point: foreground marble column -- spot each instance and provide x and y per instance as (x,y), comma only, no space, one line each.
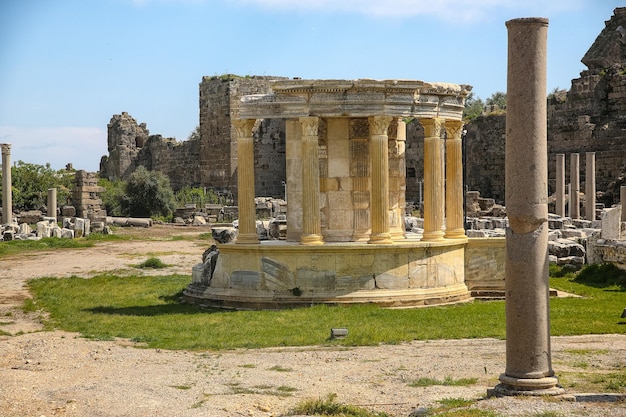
(528,354)
(454,180)
(590,186)
(52,202)
(574,174)
(245,182)
(311,225)
(379,156)
(7,191)
(434,207)
(560,184)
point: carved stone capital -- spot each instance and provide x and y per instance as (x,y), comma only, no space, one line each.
(6,148)
(310,125)
(379,125)
(243,127)
(432,127)
(454,128)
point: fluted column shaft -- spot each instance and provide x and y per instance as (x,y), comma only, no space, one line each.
(434,207)
(379,157)
(7,194)
(311,224)
(560,184)
(590,186)
(454,180)
(245,181)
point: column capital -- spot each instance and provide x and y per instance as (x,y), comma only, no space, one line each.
(243,127)
(6,148)
(310,125)
(379,125)
(454,129)
(432,127)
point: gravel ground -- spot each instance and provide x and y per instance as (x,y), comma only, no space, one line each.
(61,374)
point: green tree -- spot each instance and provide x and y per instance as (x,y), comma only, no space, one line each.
(474,107)
(114,197)
(149,194)
(497,102)
(195,134)
(30,184)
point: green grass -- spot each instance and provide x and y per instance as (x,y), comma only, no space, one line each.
(49,243)
(448,381)
(330,407)
(147,309)
(153,263)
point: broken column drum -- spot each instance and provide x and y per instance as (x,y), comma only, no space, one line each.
(528,355)
(345,170)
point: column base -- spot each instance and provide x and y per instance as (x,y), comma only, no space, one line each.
(381,239)
(510,386)
(311,240)
(247,239)
(432,236)
(455,234)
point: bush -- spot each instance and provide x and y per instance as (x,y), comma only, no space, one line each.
(602,275)
(149,193)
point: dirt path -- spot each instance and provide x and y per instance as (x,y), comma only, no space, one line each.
(60,374)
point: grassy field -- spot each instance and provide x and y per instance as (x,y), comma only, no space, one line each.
(147,309)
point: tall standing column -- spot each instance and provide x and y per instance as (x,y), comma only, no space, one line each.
(52,202)
(7,191)
(590,186)
(622,196)
(245,181)
(434,207)
(574,178)
(454,180)
(311,223)
(379,156)
(528,355)
(560,184)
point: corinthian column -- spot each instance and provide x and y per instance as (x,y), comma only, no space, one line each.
(7,195)
(528,355)
(245,181)
(454,180)
(311,225)
(379,156)
(434,207)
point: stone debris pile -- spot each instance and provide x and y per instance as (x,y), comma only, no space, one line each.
(46,227)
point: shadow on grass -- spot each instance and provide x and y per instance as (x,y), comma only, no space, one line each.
(173,306)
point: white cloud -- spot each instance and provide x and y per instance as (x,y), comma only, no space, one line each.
(81,146)
(449,10)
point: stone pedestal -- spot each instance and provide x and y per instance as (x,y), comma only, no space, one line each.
(7,193)
(590,186)
(560,184)
(528,355)
(574,178)
(245,182)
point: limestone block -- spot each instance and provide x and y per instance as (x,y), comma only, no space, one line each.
(67,234)
(571,260)
(476,233)
(79,227)
(43,229)
(611,219)
(57,232)
(387,281)
(87,229)
(7,235)
(355,283)
(68,211)
(312,279)
(245,280)
(197,272)
(198,221)
(276,276)
(24,229)
(573,233)
(555,224)
(224,234)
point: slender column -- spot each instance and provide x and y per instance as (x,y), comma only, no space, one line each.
(434,207)
(590,186)
(560,184)
(574,178)
(245,181)
(52,202)
(311,223)
(528,354)
(454,180)
(7,191)
(622,196)
(379,156)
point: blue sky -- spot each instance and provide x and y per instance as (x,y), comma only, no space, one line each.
(67,66)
